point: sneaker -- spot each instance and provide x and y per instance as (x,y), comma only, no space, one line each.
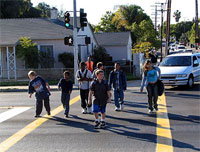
(122,106)
(117,109)
(156,109)
(103,124)
(89,110)
(96,124)
(150,111)
(84,111)
(36,116)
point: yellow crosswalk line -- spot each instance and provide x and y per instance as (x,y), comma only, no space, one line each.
(164,137)
(8,143)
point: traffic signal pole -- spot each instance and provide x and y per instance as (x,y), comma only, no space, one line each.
(75,31)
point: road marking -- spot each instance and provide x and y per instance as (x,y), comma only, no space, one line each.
(12,112)
(164,137)
(8,143)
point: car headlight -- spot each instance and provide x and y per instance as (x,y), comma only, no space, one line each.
(181,75)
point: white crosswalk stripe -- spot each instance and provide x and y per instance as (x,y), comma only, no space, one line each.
(12,112)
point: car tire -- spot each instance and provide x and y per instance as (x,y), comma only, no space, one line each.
(190,82)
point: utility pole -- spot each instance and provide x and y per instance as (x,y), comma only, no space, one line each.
(155,16)
(75,44)
(197,23)
(161,32)
(167,38)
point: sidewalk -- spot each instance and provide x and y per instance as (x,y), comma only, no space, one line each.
(133,85)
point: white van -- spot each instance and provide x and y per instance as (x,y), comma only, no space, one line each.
(180,69)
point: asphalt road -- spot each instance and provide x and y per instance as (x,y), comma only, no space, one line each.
(132,130)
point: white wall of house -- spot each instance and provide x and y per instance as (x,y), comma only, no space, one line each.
(86,50)
(117,52)
(58,48)
(129,47)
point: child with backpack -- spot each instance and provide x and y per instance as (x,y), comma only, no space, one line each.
(84,77)
(101,92)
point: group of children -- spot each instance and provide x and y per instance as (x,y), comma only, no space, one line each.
(93,86)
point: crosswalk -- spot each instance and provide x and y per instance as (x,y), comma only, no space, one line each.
(10,113)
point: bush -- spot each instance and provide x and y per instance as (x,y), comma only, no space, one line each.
(67,59)
(100,55)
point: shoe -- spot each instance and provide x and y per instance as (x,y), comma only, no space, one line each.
(49,113)
(89,110)
(150,111)
(84,111)
(122,106)
(117,109)
(156,109)
(36,116)
(67,116)
(96,124)
(103,124)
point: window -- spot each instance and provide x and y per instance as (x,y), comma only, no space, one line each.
(176,61)
(46,56)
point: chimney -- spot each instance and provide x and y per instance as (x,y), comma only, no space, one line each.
(54,14)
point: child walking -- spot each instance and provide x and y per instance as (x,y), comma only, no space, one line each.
(42,92)
(101,92)
(149,79)
(66,87)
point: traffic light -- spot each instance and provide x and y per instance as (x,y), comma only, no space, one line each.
(83,18)
(67,20)
(68,40)
(87,40)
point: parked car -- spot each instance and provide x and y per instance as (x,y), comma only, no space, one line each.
(180,47)
(180,69)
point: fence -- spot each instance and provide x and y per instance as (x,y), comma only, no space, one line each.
(57,73)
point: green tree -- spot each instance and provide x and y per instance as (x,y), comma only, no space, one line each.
(28,52)
(100,55)
(17,9)
(46,59)
(44,8)
(141,47)
(106,24)
(67,59)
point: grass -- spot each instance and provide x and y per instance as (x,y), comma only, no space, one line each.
(24,83)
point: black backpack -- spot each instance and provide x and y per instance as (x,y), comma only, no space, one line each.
(161,87)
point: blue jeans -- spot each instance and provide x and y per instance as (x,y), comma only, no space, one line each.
(65,97)
(118,94)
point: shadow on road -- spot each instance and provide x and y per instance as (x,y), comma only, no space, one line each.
(72,123)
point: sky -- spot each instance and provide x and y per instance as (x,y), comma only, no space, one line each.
(95,9)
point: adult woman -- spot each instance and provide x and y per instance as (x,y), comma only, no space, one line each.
(150,77)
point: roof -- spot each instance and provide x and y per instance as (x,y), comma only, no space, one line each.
(112,38)
(34,28)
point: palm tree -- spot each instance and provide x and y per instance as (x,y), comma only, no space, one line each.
(177,15)
(127,15)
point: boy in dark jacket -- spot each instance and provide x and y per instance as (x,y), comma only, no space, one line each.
(101,92)
(41,88)
(117,79)
(66,86)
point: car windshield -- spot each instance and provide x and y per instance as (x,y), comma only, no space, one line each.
(176,61)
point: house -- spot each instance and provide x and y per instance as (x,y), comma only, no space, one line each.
(48,34)
(117,44)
